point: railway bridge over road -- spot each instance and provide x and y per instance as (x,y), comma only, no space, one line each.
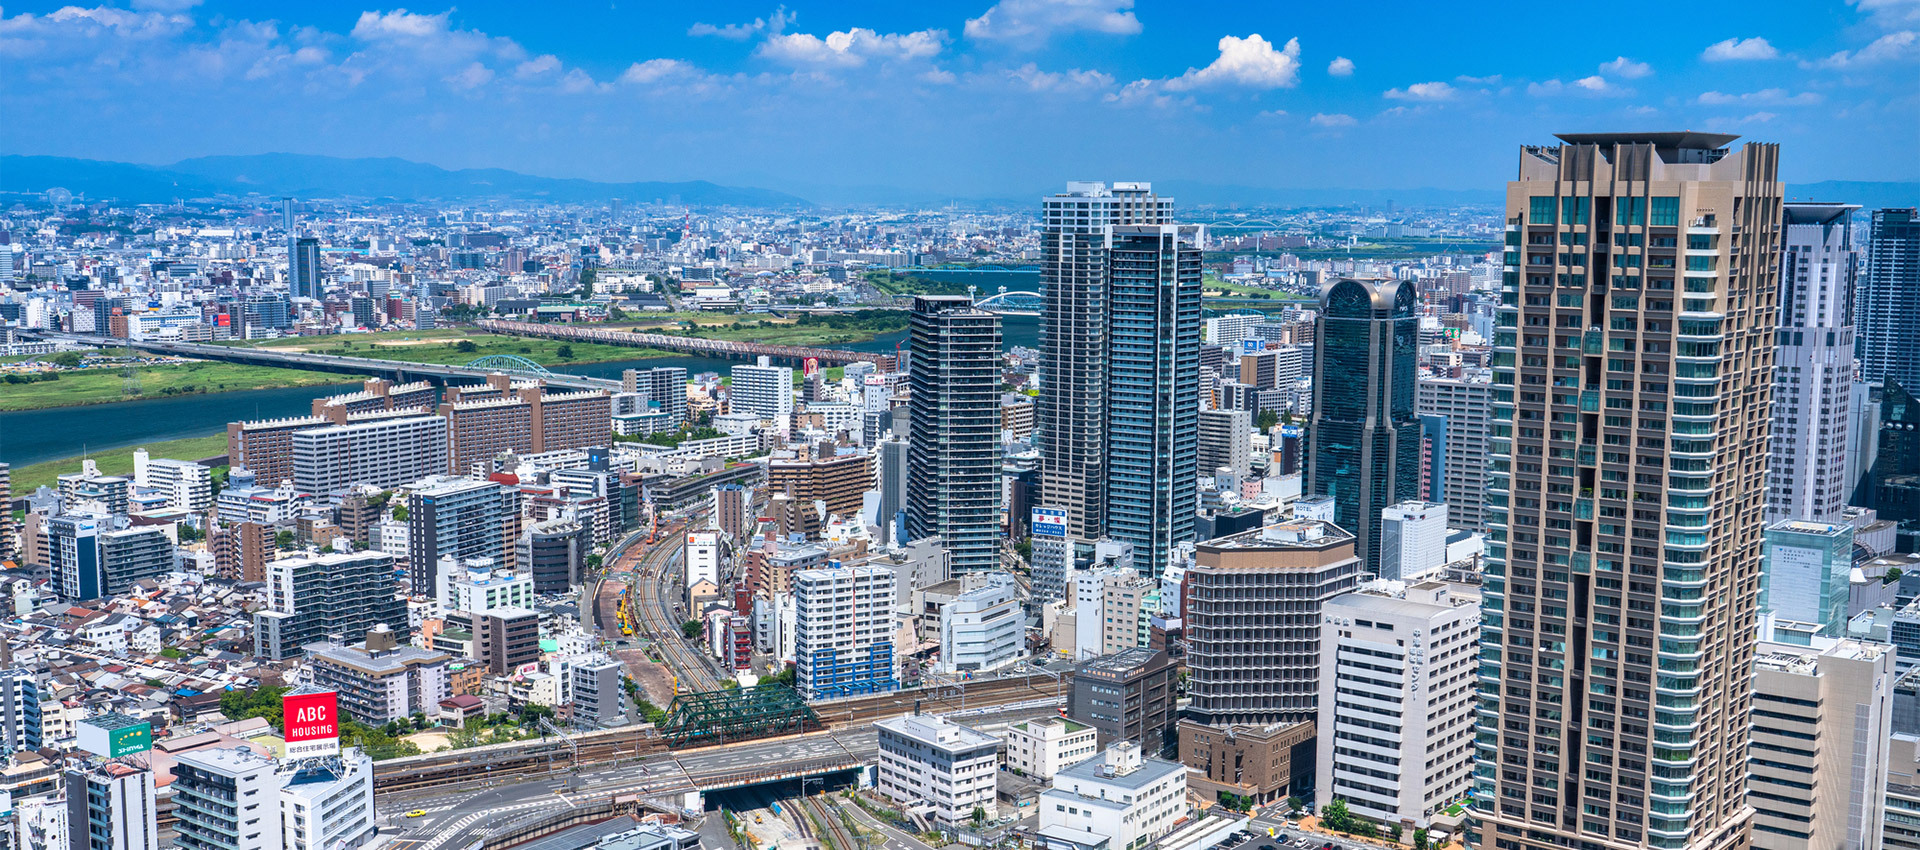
(792,354)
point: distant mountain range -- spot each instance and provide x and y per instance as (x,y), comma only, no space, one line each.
(305,176)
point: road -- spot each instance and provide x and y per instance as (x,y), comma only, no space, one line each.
(462,815)
(1295,838)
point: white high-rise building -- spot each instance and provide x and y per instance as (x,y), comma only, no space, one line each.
(187,485)
(385,453)
(227,798)
(1817,768)
(110,806)
(328,803)
(843,631)
(1229,330)
(763,390)
(703,558)
(1396,708)
(1120,798)
(1413,539)
(1813,364)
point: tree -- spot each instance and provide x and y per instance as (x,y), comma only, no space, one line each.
(188,533)
(1267,420)
(1393,832)
(1893,574)
(466,346)
(1025,548)
(1335,816)
(690,628)
(399,513)
(259,702)
(283,540)
(1420,839)
(979,816)
(564,352)
(1295,804)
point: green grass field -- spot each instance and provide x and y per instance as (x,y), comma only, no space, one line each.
(102,385)
(118,461)
(443,347)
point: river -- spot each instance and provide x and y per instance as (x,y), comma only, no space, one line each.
(36,436)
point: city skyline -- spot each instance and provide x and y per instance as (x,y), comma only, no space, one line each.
(827,100)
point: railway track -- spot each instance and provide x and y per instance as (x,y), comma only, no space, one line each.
(690,671)
(835,836)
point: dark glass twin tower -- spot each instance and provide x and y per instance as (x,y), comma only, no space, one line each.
(1364,445)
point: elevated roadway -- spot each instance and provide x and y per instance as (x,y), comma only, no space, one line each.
(792,354)
(398,371)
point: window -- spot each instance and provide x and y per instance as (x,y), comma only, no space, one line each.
(1665,213)
(1631,211)
(1540,210)
(1573,210)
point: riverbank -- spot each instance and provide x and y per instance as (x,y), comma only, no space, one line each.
(101,385)
(117,461)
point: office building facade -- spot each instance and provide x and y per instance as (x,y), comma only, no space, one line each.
(1813,364)
(1889,307)
(1413,539)
(111,806)
(1396,720)
(1254,604)
(953,455)
(383,453)
(1633,359)
(1363,448)
(1822,720)
(937,768)
(763,390)
(1806,575)
(1455,416)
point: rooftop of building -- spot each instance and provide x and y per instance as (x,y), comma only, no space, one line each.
(1121,665)
(1805,660)
(1120,765)
(387,661)
(1291,534)
(937,732)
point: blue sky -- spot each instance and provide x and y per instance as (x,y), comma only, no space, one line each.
(975,98)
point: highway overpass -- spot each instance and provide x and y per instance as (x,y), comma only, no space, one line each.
(398,371)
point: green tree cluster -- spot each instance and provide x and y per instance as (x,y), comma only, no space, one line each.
(259,702)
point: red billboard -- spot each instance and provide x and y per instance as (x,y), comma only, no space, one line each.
(312,724)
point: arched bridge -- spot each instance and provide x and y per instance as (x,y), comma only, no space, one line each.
(1018,301)
(795,354)
(511,363)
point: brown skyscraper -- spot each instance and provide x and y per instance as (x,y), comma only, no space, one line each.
(1631,403)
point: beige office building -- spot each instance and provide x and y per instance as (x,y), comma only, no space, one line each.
(1822,719)
(1633,358)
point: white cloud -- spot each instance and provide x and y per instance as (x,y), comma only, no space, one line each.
(1592,86)
(1739,49)
(1758,118)
(577,81)
(1422,91)
(164,5)
(471,77)
(1031,22)
(1625,68)
(536,66)
(1251,62)
(1768,97)
(774,23)
(1334,120)
(1031,77)
(655,70)
(1890,13)
(851,48)
(1341,66)
(1492,80)
(1893,45)
(398,24)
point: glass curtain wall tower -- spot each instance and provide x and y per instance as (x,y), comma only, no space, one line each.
(1153,389)
(1364,446)
(1633,364)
